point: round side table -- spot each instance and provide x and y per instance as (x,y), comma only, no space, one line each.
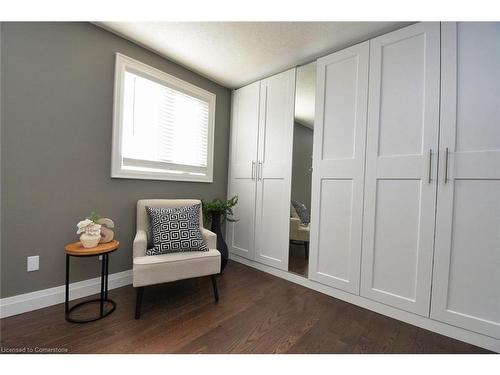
(76,249)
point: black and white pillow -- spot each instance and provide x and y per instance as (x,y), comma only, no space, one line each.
(175,230)
(302,212)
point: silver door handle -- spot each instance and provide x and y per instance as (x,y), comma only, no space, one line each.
(429,179)
(253,170)
(260,171)
(446,157)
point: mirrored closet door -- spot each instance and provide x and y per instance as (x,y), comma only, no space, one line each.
(300,204)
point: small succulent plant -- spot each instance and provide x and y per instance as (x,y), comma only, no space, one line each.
(88,227)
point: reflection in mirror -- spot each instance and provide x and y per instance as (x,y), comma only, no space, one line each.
(300,204)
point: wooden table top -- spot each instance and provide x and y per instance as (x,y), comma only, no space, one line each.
(77,249)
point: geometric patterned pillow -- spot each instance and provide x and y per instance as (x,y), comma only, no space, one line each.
(302,212)
(175,230)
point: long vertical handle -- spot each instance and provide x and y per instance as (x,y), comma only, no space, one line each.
(260,171)
(446,156)
(253,170)
(429,179)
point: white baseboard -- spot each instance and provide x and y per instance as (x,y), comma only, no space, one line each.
(461,334)
(42,298)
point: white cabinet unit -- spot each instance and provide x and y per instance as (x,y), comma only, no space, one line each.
(400,181)
(466,283)
(406,177)
(260,169)
(244,142)
(338,168)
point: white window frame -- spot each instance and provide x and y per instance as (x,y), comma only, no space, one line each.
(124,63)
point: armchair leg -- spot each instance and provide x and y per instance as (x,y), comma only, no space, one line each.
(306,245)
(216,292)
(138,302)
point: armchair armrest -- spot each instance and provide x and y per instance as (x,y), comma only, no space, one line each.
(140,243)
(294,223)
(210,238)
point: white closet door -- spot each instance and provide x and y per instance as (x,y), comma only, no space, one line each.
(242,175)
(466,280)
(338,168)
(275,169)
(401,163)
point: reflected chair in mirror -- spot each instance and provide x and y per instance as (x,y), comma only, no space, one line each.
(299,232)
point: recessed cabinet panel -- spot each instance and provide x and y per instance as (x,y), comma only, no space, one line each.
(338,168)
(271,236)
(466,279)
(334,259)
(475,254)
(478,88)
(401,165)
(402,95)
(245,130)
(395,248)
(242,231)
(276,124)
(339,123)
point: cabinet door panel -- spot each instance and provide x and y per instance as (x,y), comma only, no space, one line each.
(397,217)
(240,234)
(242,173)
(401,163)
(273,212)
(466,279)
(338,168)
(274,176)
(244,130)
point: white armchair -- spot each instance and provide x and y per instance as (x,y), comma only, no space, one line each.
(164,268)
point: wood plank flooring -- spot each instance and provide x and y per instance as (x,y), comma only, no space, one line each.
(256,313)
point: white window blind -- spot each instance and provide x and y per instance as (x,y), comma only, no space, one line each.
(165,129)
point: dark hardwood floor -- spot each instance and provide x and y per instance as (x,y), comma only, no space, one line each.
(257,313)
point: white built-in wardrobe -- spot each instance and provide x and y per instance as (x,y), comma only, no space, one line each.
(405,209)
(260,169)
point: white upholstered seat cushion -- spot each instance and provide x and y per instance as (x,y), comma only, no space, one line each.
(158,269)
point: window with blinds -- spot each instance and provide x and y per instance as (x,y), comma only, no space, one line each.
(163,126)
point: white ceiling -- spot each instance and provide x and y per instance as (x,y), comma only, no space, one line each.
(236,53)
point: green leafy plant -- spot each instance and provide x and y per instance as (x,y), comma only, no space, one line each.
(93,217)
(222,206)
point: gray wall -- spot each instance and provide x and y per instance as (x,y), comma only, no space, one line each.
(301,164)
(57,101)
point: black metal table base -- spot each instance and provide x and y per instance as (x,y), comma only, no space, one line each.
(103,298)
(105,314)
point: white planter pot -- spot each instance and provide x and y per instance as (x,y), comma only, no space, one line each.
(89,241)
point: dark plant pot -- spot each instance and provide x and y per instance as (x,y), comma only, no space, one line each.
(221,244)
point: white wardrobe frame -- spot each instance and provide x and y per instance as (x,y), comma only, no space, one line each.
(348,290)
(264,173)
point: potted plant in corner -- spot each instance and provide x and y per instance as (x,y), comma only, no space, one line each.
(216,212)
